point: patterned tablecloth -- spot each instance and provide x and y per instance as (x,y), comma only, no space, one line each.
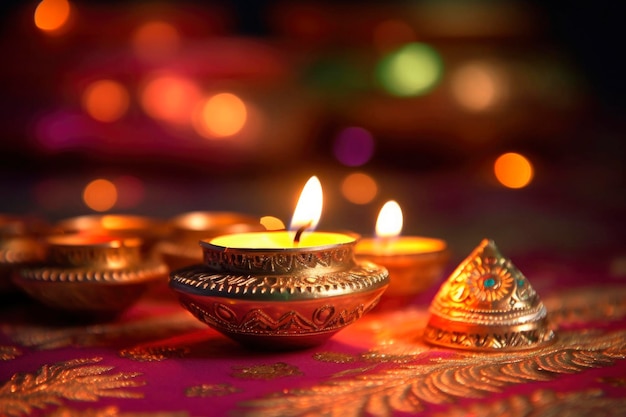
(157,360)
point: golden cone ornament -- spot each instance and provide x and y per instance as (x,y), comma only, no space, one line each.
(487,304)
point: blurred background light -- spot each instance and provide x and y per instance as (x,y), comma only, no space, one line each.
(513,170)
(478,86)
(100,195)
(170,98)
(220,116)
(359,188)
(392,33)
(130,191)
(353,146)
(155,40)
(412,70)
(106,100)
(52,15)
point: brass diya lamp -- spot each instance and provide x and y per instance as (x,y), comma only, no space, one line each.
(181,247)
(414,263)
(488,304)
(99,275)
(20,245)
(260,290)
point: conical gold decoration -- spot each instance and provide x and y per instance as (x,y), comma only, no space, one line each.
(487,304)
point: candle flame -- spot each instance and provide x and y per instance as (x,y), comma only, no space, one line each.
(309,208)
(389,223)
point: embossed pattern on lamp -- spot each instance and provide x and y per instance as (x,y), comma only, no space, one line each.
(277,290)
(99,275)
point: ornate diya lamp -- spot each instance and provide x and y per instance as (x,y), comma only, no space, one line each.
(20,245)
(487,304)
(91,274)
(414,263)
(181,246)
(255,289)
(281,289)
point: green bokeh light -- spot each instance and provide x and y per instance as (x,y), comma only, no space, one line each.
(412,70)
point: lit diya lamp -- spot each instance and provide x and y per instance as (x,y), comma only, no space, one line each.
(93,276)
(281,289)
(414,262)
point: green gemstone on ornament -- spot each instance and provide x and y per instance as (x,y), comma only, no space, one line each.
(520,282)
(489,282)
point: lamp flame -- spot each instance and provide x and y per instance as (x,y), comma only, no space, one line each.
(308,211)
(389,222)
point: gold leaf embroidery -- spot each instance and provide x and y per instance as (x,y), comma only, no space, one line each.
(77,379)
(334,357)
(111,411)
(588,304)
(613,381)
(591,403)
(407,387)
(211,390)
(273,371)
(154,353)
(8,353)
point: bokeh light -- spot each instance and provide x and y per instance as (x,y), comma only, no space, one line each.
(478,86)
(155,40)
(353,146)
(52,15)
(392,33)
(105,100)
(359,188)
(220,116)
(100,195)
(513,170)
(170,98)
(412,70)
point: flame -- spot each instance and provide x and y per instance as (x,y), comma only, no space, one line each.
(389,223)
(309,208)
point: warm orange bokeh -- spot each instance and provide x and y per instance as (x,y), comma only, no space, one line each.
(52,15)
(220,116)
(105,100)
(170,98)
(513,170)
(155,40)
(359,188)
(478,86)
(100,195)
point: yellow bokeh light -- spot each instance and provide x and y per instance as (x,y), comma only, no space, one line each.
(170,98)
(359,188)
(100,195)
(155,40)
(52,15)
(477,86)
(412,70)
(105,100)
(513,170)
(220,116)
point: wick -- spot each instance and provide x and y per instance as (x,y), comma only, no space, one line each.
(301,230)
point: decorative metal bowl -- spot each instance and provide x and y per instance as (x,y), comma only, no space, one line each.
(279,298)
(100,275)
(181,247)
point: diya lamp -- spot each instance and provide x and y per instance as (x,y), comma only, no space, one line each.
(414,263)
(487,304)
(181,247)
(281,289)
(20,245)
(91,275)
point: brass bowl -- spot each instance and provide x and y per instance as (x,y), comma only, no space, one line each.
(181,248)
(101,275)
(279,298)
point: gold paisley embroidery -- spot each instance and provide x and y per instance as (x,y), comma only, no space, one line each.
(334,357)
(584,305)
(77,379)
(613,381)
(590,403)
(154,353)
(8,353)
(111,411)
(273,371)
(407,387)
(211,390)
